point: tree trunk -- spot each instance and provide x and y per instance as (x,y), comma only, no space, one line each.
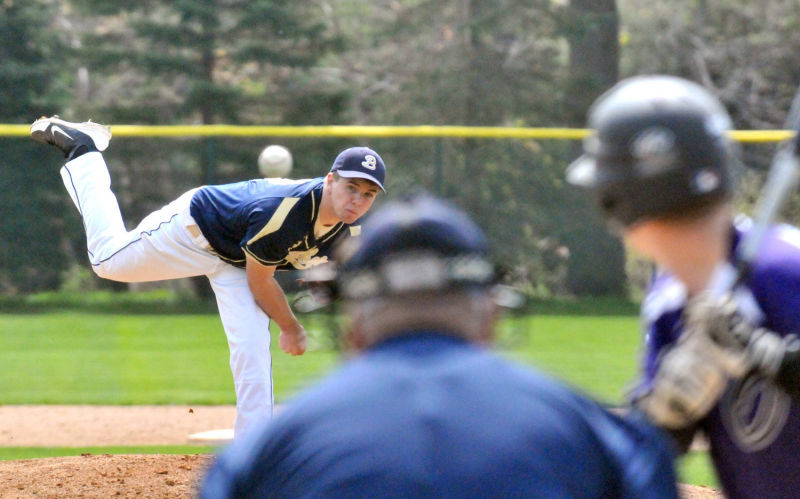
(473,114)
(593,54)
(593,68)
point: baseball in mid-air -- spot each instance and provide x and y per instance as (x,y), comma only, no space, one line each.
(275,161)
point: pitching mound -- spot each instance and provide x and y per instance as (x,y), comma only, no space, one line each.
(134,476)
(103,476)
(97,476)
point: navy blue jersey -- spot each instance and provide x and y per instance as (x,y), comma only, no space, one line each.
(428,415)
(270,219)
(754,430)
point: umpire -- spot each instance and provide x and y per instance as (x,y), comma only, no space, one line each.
(424,409)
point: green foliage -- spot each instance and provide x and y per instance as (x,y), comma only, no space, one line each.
(592,306)
(26,55)
(33,220)
(155,62)
(487,63)
(158,301)
(199,60)
(509,62)
(31,224)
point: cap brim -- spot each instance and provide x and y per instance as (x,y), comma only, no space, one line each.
(583,171)
(365,176)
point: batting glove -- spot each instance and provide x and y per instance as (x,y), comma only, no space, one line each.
(686,386)
(740,345)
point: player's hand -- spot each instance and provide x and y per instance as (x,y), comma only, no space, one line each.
(293,341)
(687,385)
(715,323)
(742,346)
(739,345)
(694,373)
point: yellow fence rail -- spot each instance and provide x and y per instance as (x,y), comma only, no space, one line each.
(753,136)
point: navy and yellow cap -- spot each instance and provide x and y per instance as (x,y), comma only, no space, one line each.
(360,162)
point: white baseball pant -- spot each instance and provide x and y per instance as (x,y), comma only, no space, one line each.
(168,245)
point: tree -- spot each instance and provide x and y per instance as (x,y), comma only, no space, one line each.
(464,62)
(32,244)
(597,260)
(451,62)
(476,63)
(200,62)
(743,52)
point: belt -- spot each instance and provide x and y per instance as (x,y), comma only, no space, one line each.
(194,230)
(198,237)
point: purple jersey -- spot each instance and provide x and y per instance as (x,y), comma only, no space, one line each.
(754,430)
(270,219)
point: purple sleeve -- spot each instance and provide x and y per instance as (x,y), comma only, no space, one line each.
(661,321)
(660,334)
(775,280)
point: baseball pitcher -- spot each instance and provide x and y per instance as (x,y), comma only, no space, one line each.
(238,235)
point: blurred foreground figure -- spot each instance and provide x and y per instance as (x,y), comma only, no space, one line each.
(425,409)
(723,362)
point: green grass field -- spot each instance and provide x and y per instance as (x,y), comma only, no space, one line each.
(84,357)
(597,354)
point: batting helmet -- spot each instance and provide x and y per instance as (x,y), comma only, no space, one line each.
(659,148)
(416,244)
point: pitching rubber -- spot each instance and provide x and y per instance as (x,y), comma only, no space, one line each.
(212,437)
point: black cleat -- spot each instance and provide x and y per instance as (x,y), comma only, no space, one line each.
(73,139)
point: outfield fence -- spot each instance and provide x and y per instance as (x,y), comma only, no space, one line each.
(510,179)
(553,133)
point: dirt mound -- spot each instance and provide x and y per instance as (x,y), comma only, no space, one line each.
(156,476)
(104,476)
(93,425)
(96,476)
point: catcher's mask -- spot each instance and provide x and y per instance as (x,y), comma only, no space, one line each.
(414,244)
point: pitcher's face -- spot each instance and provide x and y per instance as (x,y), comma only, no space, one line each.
(351,198)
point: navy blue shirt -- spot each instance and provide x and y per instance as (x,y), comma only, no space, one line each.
(428,415)
(754,431)
(270,219)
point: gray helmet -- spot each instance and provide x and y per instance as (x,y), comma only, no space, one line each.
(413,244)
(659,148)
